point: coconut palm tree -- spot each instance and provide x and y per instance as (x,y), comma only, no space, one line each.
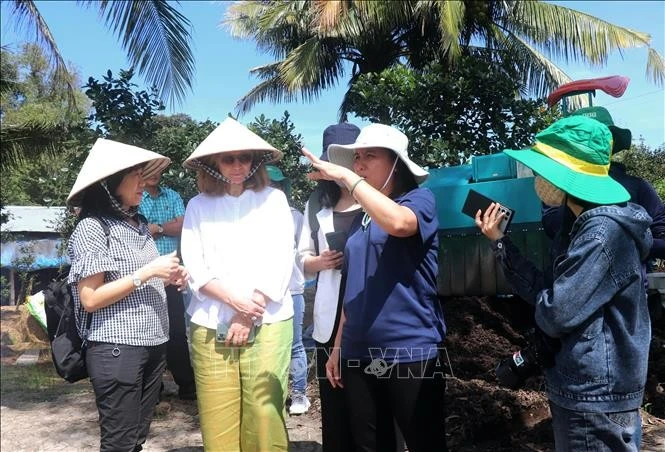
(315,41)
(154,34)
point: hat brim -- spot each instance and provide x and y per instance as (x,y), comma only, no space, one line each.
(150,168)
(231,136)
(342,154)
(622,139)
(591,188)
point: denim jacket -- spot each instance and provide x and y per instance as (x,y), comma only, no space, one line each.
(596,305)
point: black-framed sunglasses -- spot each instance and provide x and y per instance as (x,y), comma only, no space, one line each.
(243,159)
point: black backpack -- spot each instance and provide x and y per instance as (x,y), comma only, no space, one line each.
(67,347)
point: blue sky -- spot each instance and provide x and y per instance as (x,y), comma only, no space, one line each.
(222,65)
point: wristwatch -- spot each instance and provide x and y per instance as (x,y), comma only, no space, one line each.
(160,229)
(136,280)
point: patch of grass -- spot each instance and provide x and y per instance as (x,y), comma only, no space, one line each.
(36,382)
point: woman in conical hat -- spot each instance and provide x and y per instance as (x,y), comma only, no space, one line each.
(595,306)
(117,279)
(237,243)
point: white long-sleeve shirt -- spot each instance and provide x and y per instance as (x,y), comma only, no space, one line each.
(327,288)
(297,284)
(246,243)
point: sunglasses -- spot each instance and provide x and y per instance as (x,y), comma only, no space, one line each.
(243,159)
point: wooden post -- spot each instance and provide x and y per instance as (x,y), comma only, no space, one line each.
(12,289)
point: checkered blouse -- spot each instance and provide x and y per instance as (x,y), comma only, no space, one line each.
(139,319)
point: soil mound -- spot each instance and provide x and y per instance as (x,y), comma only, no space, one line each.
(482,415)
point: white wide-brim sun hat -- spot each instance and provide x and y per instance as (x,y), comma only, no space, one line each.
(108,157)
(231,136)
(377,136)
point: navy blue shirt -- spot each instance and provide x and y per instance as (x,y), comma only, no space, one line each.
(390,302)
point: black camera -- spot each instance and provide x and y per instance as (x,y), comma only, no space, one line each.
(539,354)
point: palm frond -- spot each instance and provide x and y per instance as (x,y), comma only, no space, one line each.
(8,73)
(539,75)
(276,27)
(156,37)
(272,88)
(451,21)
(27,15)
(21,142)
(656,67)
(241,18)
(567,34)
(313,66)
(346,105)
(327,16)
(327,13)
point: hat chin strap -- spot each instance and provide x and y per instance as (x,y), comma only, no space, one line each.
(115,204)
(392,171)
(219,176)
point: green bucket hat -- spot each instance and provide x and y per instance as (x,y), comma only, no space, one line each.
(275,174)
(574,155)
(621,138)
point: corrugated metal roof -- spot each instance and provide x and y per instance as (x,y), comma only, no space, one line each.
(32,218)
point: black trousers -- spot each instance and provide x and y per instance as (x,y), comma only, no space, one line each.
(408,394)
(336,429)
(126,380)
(177,350)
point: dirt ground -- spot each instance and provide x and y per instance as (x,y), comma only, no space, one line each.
(40,412)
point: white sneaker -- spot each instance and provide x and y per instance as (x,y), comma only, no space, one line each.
(299,404)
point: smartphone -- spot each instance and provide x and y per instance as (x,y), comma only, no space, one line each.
(476,201)
(336,240)
(223,330)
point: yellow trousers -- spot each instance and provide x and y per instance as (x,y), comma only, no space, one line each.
(241,391)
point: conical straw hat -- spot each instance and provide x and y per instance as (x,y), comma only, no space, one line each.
(231,136)
(108,157)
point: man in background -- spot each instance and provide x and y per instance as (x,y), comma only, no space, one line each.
(164,210)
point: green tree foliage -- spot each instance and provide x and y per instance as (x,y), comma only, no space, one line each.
(42,181)
(315,42)
(176,137)
(641,161)
(124,113)
(35,116)
(121,111)
(282,135)
(153,33)
(451,115)
(39,131)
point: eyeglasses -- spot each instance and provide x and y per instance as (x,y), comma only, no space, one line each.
(243,159)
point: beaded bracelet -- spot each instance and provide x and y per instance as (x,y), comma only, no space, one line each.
(355,184)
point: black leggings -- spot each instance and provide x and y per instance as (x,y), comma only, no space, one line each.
(410,393)
(335,426)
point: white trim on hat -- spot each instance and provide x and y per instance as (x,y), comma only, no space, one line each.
(230,136)
(377,136)
(108,157)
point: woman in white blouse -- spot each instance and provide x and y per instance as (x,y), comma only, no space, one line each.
(237,240)
(338,212)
